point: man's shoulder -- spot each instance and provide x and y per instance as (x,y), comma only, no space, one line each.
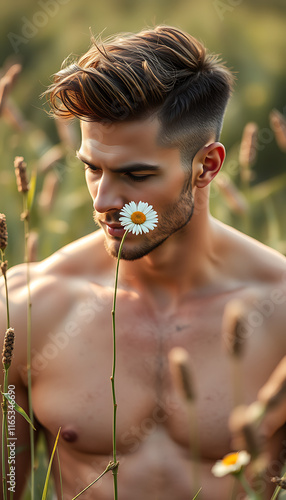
(80,257)
(252,260)
(53,277)
(55,284)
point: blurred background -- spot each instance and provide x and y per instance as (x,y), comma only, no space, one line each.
(37,35)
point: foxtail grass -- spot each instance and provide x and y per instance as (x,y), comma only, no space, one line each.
(180,370)
(23,187)
(233,324)
(6,357)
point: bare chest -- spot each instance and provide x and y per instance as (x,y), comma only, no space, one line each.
(72,366)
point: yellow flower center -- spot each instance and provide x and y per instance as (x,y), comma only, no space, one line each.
(230,459)
(138,218)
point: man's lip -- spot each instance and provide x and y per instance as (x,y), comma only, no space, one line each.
(114,229)
(113,225)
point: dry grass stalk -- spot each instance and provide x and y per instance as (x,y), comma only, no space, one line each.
(180,370)
(49,191)
(278,125)
(248,150)
(7,82)
(233,327)
(273,393)
(13,115)
(244,427)
(8,347)
(48,159)
(235,199)
(3,232)
(21,174)
(32,246)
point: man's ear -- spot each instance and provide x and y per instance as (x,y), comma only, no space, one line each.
(207,163)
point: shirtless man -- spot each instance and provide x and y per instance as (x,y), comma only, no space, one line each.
(151,107)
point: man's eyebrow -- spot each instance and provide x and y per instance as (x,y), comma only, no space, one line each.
(133,167)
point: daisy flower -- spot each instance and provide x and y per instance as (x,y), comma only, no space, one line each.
(138,218)
(231,463)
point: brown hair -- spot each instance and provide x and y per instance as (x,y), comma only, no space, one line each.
(162,70)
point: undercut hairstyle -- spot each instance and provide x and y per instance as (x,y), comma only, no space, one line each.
(162,71)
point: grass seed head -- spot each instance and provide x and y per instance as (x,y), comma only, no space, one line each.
(278,125)
(248,147)
(233,323)
(3,232)
(21,174)
(273,393)
(243,424)
(8,347)
(180,370)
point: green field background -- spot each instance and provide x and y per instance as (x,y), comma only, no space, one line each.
(39,35)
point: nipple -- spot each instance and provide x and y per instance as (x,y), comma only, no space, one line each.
(69,435)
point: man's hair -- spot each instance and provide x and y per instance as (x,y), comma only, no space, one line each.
(162,71)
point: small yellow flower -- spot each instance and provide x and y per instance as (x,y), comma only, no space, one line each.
(138,218)
(231,463)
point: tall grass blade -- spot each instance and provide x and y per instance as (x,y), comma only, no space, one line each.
(45,490)
(32,189)
(197,494)
(18,408)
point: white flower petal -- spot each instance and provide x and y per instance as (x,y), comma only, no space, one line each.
(125,220)
(133,206)
(243,458)
(148,210)
(221,468)
(149,225)
(143,207)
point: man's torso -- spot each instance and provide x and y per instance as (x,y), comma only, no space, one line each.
(71,369)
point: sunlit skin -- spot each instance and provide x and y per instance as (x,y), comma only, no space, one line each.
(174,295)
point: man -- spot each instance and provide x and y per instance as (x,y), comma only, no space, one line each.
(151,108)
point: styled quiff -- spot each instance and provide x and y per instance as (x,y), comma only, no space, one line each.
(162,71)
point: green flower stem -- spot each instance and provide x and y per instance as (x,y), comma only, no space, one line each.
(252,495)
(29,340)
(112,378)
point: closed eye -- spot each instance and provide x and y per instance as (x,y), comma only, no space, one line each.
(138,177)
(92,168)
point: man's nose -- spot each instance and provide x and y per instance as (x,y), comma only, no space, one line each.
(107,196)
